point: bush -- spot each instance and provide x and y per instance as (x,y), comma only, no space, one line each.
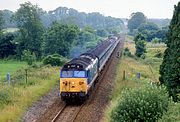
(54,60)
(29,57)
(127,52)
(140,104)
(173,113)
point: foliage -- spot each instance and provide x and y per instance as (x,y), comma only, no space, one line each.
(59,39)
(54,60)
(28,56)
(7,16)
(173,113)
(140,45)
(7,46)
(156,40)
(127,52)
(1,22)
(151,31)
(102,32)
(148,26)
(87,38)
(160,22)
(170,68)
(71,16)
(30,28)
(140,104)
(136,20)
(95,19)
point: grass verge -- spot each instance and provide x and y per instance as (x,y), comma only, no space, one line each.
(23,95)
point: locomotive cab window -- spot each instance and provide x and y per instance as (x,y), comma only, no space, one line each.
(79,74)
(72,73)
(67,74)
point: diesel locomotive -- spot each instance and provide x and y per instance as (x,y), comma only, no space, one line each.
(78,76)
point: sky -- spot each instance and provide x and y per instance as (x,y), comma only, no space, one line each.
(114,8)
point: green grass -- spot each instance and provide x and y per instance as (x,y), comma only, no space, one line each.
(10,67)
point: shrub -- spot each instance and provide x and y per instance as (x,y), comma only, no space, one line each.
(54,60)
(140,104)
(173,113)
(29,57)
(127,52)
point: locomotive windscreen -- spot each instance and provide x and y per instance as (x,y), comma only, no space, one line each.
(73,74)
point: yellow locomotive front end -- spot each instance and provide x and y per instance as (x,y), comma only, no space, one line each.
(73,84)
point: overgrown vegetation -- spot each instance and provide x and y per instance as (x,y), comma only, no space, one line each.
(141,99)
(54,60)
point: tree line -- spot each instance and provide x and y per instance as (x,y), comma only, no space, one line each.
(69,16)
(138,23)
(59,37)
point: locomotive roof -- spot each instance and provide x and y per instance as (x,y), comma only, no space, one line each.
(81,62)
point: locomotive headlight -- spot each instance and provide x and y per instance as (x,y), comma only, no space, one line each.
(73,83)
(81,82)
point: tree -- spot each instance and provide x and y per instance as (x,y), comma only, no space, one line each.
(7,46)
(136,20)
(140,45)
(30,28)
(1,23)
(59,39)
(170,68)
(148,26)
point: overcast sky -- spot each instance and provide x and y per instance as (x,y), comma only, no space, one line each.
(115,8)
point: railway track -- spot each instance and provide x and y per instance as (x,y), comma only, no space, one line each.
(72,110)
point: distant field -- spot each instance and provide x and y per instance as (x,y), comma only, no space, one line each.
(10,66)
